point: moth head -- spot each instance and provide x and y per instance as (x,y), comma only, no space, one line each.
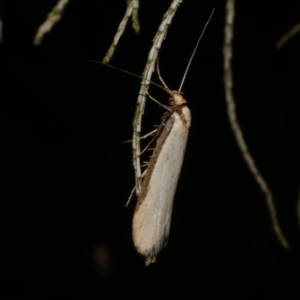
(176,98)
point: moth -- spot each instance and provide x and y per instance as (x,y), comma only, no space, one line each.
(152,216)
(153,211)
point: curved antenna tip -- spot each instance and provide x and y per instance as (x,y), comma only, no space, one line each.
(196,47)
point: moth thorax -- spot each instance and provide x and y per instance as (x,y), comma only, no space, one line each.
(177,98)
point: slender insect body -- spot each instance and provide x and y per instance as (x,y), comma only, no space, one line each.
(153,211)
(152,217)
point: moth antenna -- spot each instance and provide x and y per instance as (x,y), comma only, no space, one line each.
(195,49)
(129,73)
(160,78)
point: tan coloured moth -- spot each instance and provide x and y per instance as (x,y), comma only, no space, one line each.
(152,216)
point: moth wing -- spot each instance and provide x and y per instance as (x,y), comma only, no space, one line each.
(152,217)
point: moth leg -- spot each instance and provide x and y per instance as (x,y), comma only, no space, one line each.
(158,130)
(132,191)
(160,104)
(148,145)
(142,137)
(157,133)
(148,134)
(130,196)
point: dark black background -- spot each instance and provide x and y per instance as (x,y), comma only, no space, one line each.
(65,174)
